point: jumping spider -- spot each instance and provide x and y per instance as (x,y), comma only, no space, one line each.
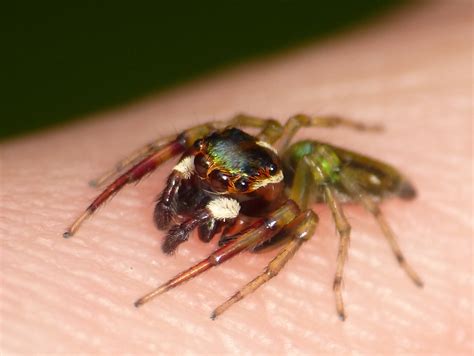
(255,191)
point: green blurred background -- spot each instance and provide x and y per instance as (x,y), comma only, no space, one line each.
(65,59)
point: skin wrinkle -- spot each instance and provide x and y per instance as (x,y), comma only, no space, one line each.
(409,72)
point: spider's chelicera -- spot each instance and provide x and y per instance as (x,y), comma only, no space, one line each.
(255,192)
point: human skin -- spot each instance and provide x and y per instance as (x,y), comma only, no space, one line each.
(410,71)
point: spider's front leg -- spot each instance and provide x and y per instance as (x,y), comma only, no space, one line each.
(131,160)
(145,166)
(165,209)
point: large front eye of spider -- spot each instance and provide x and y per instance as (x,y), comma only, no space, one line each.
(272,169)
(242,184)
(199,144)
(201,164)
(219,181)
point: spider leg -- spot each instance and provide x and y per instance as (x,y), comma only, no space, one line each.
(344,230)
(270,128)
(131,160)
(300,230)
(294,123)
(180,233)
(371,206)
(145,166)
(262,230)
(343,227)
(296,232)
(165,209)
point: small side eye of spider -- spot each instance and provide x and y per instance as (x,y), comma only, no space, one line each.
(255,193)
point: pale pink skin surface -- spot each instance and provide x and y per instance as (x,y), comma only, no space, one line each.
(410,71)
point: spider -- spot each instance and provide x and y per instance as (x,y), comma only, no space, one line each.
(255,192)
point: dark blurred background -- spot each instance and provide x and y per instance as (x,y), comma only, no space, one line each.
(65,59)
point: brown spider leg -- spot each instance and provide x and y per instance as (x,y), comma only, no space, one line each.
(131,160)
(180,233)
(270,128)
(351,186)
(135,173)
(232,230)
(300,230)
(262,230)
(301,187)
(164,209)
(343,228)
(296,122)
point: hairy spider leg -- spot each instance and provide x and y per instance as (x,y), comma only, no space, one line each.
(131,160)
(262,230)
(296,232)
(147,165)
(233,229)
(296,122)
(357,192)
(164,209)
(300,190)
(344,230)
(299,230)
(323,178)
(180,233)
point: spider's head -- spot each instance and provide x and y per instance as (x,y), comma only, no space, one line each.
(234,162)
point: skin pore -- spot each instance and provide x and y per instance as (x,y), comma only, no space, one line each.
(409,72)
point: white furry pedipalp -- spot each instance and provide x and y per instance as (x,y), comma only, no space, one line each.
(185,167)
(223,208)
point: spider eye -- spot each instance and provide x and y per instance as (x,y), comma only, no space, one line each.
(201,164)
(219,181)
(272,169)
(199,144)
(242,184)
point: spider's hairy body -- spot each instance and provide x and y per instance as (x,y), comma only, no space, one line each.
(255,191)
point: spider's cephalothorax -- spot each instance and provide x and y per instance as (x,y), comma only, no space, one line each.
(222,175)
(234,162)
(255,191)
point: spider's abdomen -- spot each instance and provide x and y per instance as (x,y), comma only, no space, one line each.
(376,178)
